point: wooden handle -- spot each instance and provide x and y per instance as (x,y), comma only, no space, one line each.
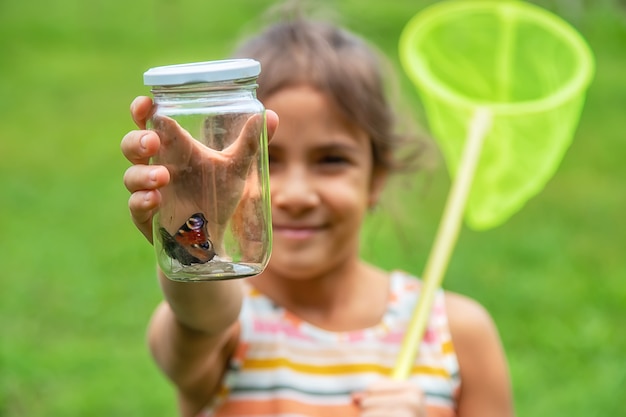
(445,241)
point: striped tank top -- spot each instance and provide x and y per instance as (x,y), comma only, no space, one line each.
(284,366)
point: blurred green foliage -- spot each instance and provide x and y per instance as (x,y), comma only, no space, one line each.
(77,282)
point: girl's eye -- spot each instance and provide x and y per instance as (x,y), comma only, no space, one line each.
(274,161)
(333,159)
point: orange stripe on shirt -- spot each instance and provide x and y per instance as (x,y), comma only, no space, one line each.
(338,369)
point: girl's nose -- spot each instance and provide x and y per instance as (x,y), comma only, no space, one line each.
(293,191)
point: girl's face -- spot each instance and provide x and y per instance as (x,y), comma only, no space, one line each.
(322,183)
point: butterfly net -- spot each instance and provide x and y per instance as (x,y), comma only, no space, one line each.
(527,66)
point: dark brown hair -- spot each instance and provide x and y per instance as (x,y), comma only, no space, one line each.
(339,63)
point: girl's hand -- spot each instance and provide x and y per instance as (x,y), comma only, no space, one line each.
(141,179)
(178,152)
(391,398)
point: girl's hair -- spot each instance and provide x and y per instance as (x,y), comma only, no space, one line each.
(338,63)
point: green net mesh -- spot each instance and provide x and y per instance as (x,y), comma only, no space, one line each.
(526,65)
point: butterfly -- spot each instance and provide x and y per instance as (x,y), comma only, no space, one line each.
(191,244)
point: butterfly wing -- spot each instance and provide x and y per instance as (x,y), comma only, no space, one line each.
(191,243)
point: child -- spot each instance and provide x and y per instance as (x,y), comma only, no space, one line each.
(317,333)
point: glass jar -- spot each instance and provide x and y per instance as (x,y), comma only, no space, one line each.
(214,221)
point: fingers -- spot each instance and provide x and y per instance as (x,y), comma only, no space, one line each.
(138,146)
(143,181)
(391,398)
(172,135)
(271,119)
(142,206)
(146,177)
(244,148)
(247,145)
(141,109)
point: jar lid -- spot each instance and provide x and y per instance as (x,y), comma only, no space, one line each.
(202,72)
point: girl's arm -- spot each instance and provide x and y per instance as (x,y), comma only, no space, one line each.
(485,381)
(194,331)
(193,334)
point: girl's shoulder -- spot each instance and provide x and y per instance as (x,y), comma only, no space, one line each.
(476,341)
(467,316)
(481,357)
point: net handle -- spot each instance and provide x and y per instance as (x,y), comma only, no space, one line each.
(445,241)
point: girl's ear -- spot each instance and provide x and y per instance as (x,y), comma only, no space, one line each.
(377,185)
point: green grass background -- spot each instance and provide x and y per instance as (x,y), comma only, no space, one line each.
(77,283)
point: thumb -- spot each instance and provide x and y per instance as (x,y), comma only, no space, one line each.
(243,150)
(247,143)
(271,119)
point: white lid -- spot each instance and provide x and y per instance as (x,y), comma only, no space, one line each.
(202,72)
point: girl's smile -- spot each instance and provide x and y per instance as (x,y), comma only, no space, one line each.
(295,233)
